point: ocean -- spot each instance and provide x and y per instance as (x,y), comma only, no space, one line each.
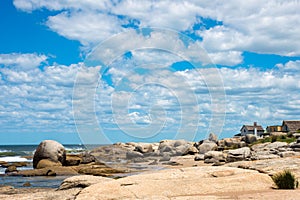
(24,153)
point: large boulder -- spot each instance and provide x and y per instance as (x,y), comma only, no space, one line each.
(207,146)
(250,138)
(51,150)
(239,154)
(215,157)
(144,148)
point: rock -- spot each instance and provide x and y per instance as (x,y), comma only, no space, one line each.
(276,145)
(166,157)
(214,157)
(295,146)
(250,138)
(47,163)
(269,150)
(49,171)
(72,160)
(186,149)
(183,183)
(238,154)
(272,166)
(27,184)
(167,148)
(87,158)
(180,143)
(133,154)
(11,168)
(199,157)
(231,142)
(288,154)
(213,137)
(51,150)
(82,181)
(207,146)
(144,148)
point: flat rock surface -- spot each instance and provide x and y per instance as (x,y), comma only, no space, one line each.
(182,183)
(271,166)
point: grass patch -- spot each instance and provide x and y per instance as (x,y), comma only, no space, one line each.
(285,180)
(275,139)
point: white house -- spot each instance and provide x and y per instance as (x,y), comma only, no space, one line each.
(254,129)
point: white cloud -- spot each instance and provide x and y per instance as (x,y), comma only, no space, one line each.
(86,27)
(22,61)
(256,26)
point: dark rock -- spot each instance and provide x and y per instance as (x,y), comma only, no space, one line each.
(11,168)
(27,184)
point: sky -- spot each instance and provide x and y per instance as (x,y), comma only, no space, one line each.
(107,71)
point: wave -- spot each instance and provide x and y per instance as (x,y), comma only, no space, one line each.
(10,159)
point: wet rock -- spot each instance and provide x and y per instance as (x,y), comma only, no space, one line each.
(27,184)
(11,168)
(51,150)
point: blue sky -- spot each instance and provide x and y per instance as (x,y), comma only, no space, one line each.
(108,71)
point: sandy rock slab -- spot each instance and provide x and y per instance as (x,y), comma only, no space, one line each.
(270,166)
(37,194)
(184,183)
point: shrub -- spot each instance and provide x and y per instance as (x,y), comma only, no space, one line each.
(285,180)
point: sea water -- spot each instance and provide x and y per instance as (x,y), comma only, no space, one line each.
(24,153)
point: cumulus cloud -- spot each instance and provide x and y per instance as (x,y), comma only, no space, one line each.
(22,61)
(267,27)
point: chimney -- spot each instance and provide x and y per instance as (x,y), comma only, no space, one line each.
(255,123)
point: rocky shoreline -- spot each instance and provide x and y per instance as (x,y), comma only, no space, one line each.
(170,169)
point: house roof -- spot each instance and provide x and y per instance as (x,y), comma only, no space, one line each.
(251,127)
(292,125)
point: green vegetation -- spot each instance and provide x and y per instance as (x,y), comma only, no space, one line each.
(285,180)
(281,138)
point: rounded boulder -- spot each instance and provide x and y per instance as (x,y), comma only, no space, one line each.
(50,150)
